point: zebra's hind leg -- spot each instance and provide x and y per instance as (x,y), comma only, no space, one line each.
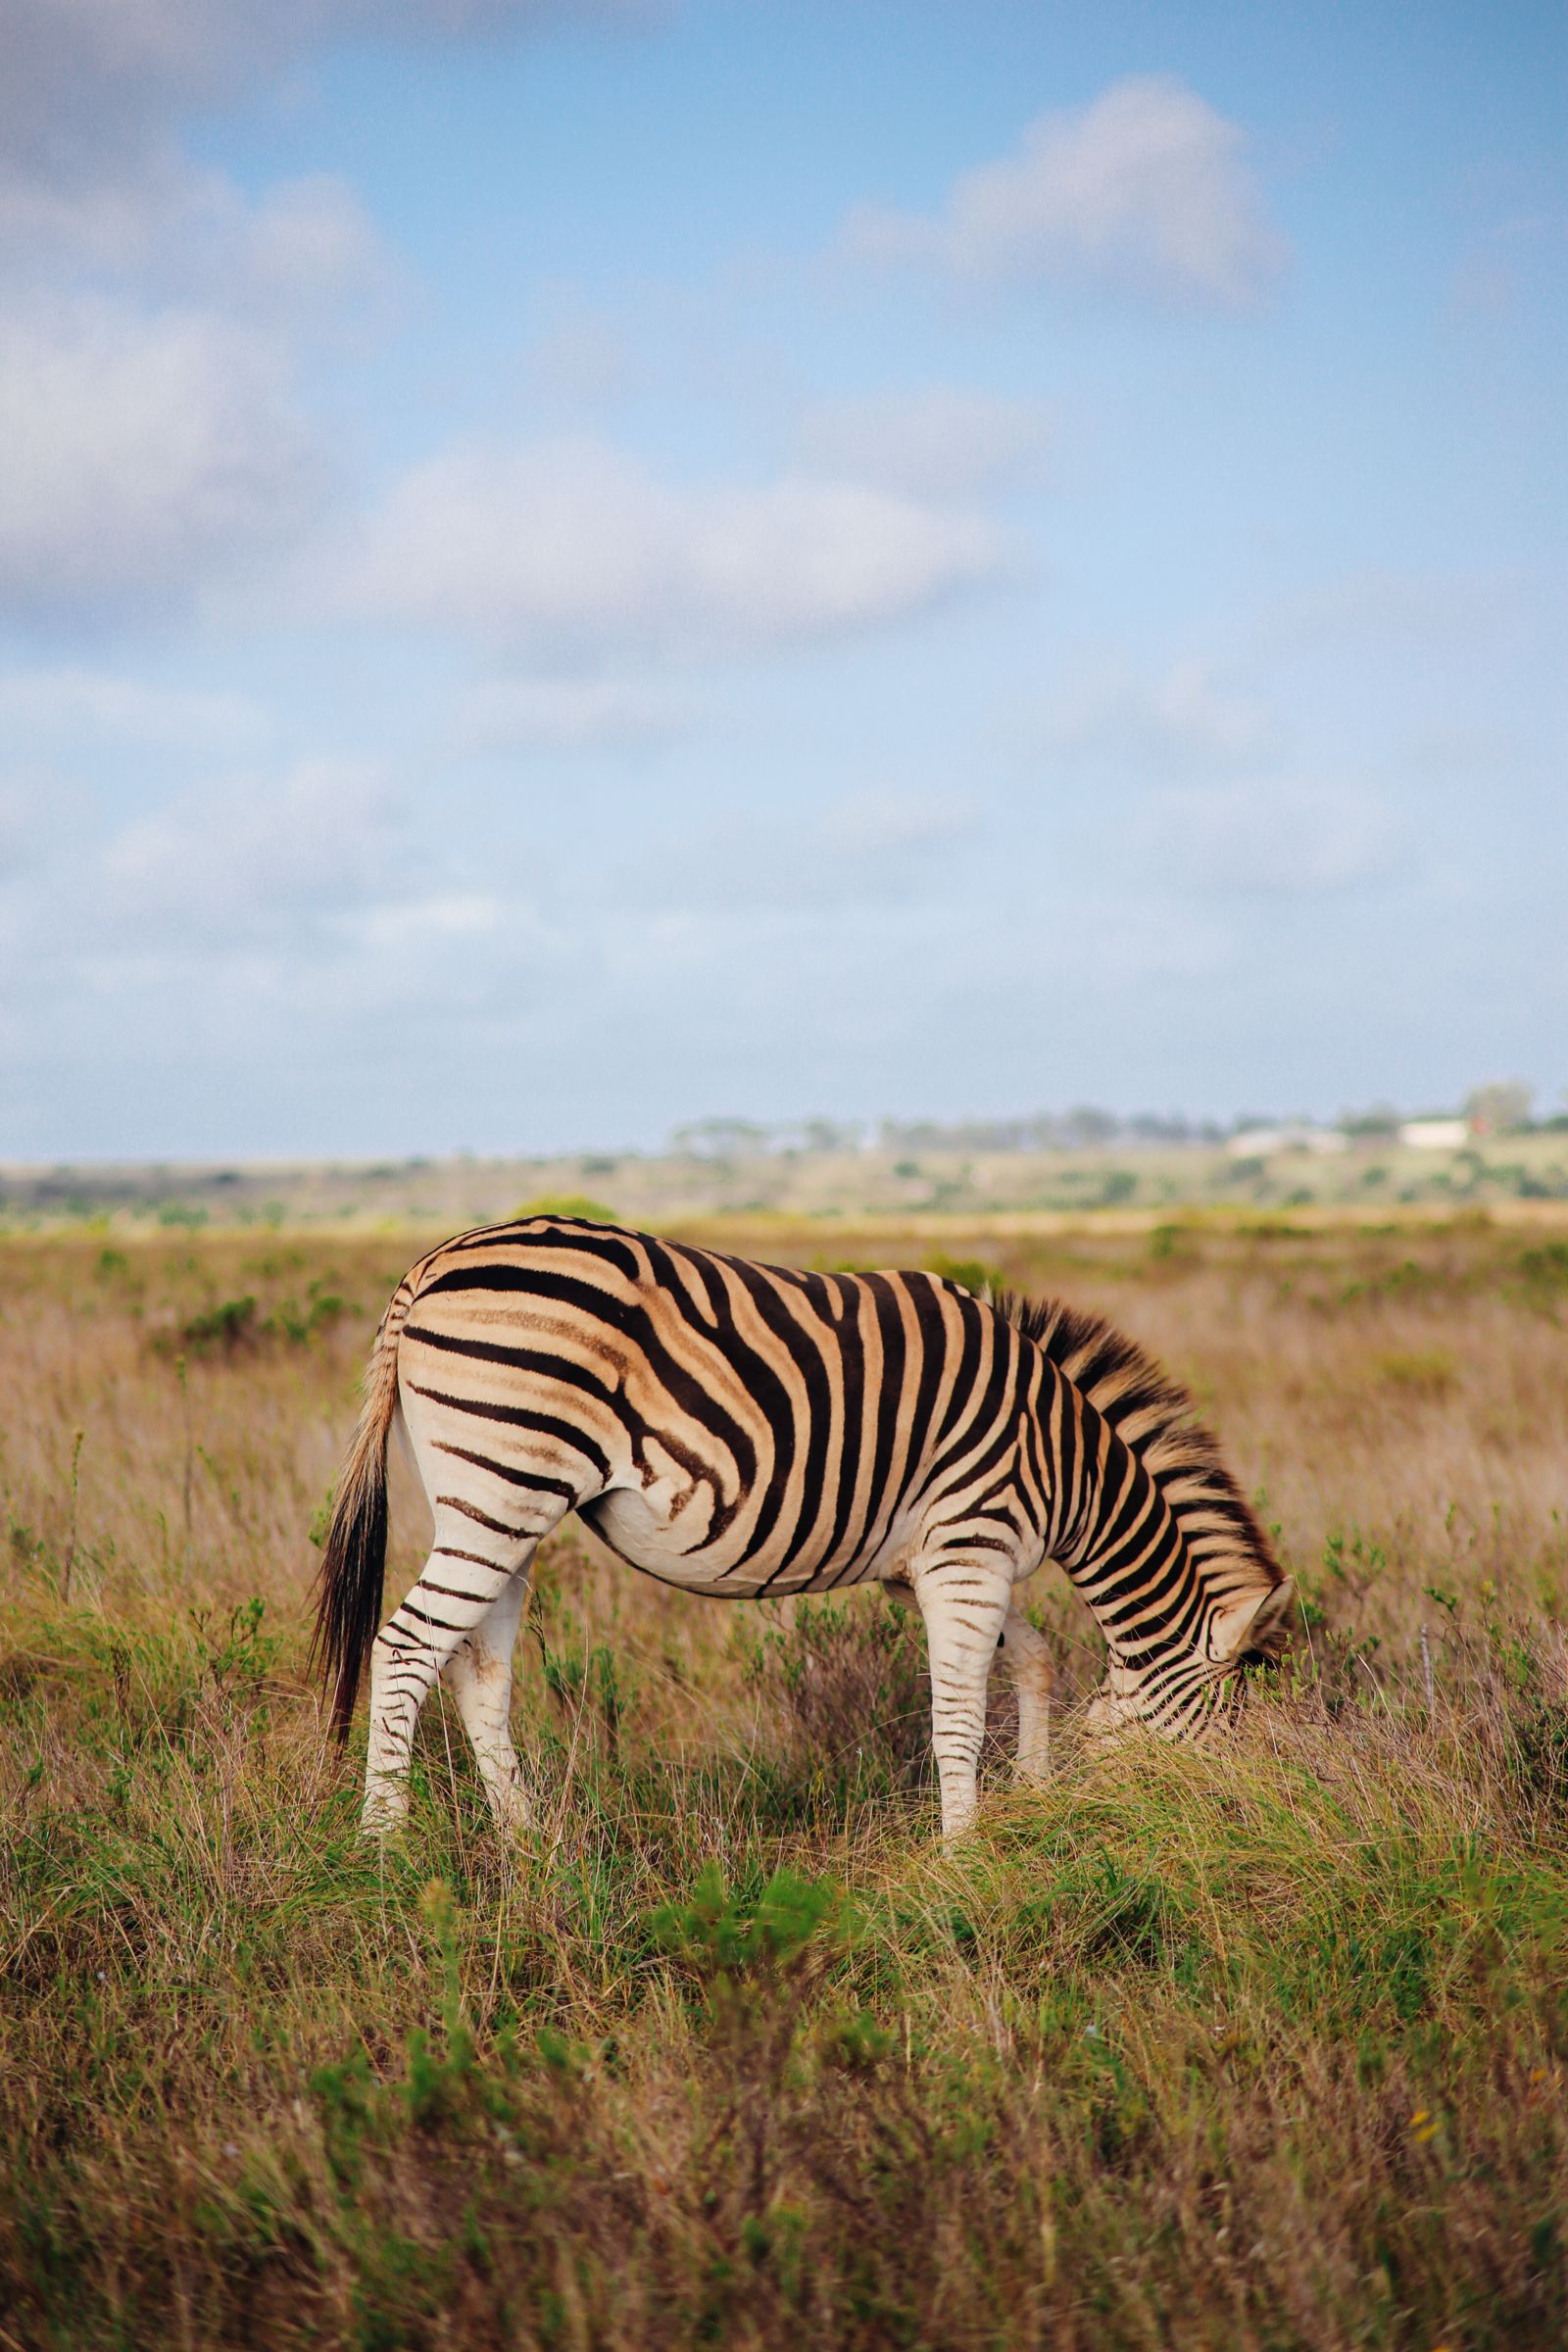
(1026,1657)
(963,1598)
(481,1678)
(471,1567)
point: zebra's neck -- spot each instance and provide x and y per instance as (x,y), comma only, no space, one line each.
(1113,1529)
(1156,1537)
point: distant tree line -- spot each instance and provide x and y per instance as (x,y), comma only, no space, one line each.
(1500,1107)
(1082,1129)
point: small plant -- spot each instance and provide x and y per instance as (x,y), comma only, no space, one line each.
(851,1677)
(298,1325)
(1424,1372)
(1117,1187)
(1544,1269)
(592,1679)
(725,1937)
(237,1653)
(439,2074)
(565,1204)
(221,1330)
(181,1213)
(971,1272)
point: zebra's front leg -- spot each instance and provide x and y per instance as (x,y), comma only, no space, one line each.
(451,1600)
(480,1679)
(1027,1659)
(963,1598)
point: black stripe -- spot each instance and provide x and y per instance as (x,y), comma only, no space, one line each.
(961,1471)
(504,1472)
(850,1342)
(704,1265)
(1157,1634)
(808,1353)
(769,1394)
(890,1323)
(524,1416)
(972,1329)
(1066,1436)
(925,1297)
(562,1233)
(531,1282)
(547,1365)
(1124,1512)
(684,1387)
(471,1510)
(405,1608)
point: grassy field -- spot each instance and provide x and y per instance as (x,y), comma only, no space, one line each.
(1260,2049)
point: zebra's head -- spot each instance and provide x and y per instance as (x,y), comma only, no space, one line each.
(1180,1691)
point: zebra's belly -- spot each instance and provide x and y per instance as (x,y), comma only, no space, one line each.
(650,1538)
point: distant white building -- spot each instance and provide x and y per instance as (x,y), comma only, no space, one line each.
(1262,1143)
(1434,1134)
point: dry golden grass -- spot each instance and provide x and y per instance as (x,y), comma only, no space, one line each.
(1263,2047)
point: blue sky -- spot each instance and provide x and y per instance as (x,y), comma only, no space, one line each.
(567,570)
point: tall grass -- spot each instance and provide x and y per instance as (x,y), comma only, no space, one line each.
(1259,2047)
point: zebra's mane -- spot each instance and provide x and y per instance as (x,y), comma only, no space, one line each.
(1155,1415)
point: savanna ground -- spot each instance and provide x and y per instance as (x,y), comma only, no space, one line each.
(1259,2047)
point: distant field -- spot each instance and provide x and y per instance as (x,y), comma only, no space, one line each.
(1262,2049)
(1376,1178)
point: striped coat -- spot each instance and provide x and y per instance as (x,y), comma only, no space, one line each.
(743,1430)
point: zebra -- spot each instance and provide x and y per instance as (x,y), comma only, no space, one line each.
(752,1431)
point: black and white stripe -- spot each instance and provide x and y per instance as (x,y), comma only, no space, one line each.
(746,1430)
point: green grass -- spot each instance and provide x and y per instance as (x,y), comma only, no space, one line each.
(1260,2048)
(1266,2042)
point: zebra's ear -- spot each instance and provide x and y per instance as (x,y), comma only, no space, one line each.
(1260,1632)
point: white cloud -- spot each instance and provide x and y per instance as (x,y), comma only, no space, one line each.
(580,358)
(1147,188)
(1431,607)
(875,847)
(934,443)
(394,924)
(568,714)
(561,547)
(1284,839)
(147,417)
(253,919)
(234,858)
(303,251)
(142,455)
(21,821)
(873,825)
(1182,719)
(94,178)
(304,254)
(91,84)
(81,706)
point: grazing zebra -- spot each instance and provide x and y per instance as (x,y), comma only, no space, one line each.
(747,1430)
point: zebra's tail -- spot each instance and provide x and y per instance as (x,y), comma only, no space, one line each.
(348,1592)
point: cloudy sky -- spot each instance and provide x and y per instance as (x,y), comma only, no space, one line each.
(569,567)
